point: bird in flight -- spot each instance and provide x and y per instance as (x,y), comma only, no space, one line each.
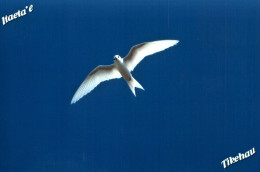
(122,67)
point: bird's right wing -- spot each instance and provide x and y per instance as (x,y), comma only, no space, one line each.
(98,75)
(140,51)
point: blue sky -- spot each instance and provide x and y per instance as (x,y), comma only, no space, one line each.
(201,99)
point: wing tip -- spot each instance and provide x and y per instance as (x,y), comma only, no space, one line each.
(174,42)
(74,99)
(169,42)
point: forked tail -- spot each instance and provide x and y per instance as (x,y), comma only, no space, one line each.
(133,83)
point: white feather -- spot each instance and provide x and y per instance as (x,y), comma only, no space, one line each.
(98,75)
(135,56)
(140,51)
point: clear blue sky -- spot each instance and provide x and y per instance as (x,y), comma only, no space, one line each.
(200,104)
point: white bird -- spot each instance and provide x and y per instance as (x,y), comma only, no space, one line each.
(121,67)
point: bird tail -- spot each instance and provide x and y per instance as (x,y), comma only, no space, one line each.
(133,83)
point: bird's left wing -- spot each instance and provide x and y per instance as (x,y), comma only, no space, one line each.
(98,75)
(140,51)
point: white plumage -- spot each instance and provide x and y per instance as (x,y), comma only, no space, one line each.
(122,67)
(98,75)
(140,51)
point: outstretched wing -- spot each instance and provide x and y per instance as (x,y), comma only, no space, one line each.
(138,52)
(98,75)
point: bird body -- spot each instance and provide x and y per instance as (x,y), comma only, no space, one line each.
(122,67)
(119,63)
(125,73)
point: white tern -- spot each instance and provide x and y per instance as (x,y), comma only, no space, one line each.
(121,67)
